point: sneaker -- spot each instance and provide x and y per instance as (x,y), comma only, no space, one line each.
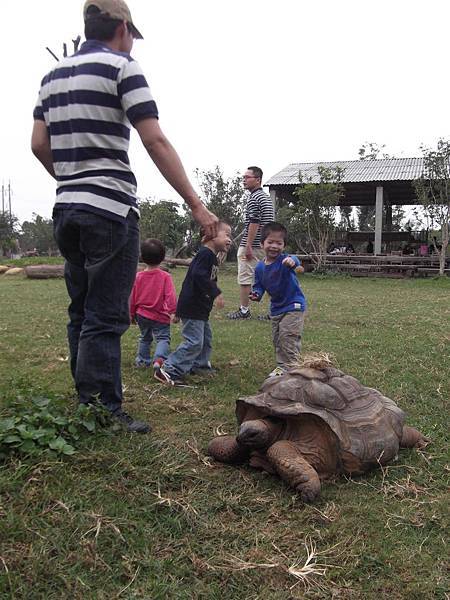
(238,314)
(158,363)
(141,364)
(277,372)
(203,371)
(130,424)
(163,377)
(263,317)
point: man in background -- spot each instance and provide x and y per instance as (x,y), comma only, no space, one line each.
(259,211)
(81,136)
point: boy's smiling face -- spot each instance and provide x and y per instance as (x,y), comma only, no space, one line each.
(273,245)
(222,241)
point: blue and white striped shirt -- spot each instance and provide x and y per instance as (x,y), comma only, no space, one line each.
(88,102)
(259,209)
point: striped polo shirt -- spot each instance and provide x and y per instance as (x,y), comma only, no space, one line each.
(259,209)
(88,103)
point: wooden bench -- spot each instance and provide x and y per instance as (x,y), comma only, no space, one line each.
(431,271)
(368,269)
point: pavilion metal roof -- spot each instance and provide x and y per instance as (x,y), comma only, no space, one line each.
(354,171)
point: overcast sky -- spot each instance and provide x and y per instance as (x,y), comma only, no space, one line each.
(246,82)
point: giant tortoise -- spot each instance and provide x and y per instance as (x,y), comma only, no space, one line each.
(311,423)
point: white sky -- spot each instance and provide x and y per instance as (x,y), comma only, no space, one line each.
(246,82)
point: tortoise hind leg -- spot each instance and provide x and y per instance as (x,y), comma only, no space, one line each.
(412,438)
(226,449)
(294,469)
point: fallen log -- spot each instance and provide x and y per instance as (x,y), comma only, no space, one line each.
(183,262)
(169,262)
(44,271)
(57,271)
(14,271)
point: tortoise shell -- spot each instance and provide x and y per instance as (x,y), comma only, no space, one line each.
(368,425)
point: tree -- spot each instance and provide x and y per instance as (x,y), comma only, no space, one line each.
(366,214)
(372,151)
(347,222)
(433,190)
(9,231)
(38,234)
(225,197)
(398,217)
(311,221)
(162,220)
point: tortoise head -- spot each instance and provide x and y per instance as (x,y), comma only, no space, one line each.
(259,433)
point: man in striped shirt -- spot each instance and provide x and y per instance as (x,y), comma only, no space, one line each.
(259,211)
(81,134)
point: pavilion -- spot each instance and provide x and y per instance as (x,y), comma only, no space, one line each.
(381,183)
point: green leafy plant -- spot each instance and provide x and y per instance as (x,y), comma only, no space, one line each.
(43,428)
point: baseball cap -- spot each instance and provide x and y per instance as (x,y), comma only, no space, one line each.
(114,9)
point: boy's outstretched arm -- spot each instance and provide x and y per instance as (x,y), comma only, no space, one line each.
(293,263)
(257,288)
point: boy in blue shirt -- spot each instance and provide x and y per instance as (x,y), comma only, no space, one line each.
(276,275)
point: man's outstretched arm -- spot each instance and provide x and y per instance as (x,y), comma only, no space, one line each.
(40,146)
(169,164)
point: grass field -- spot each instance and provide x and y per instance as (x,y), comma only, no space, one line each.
(152,517)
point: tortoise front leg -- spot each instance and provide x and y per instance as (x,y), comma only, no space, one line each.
(294,469)
(225,448)
(412,438)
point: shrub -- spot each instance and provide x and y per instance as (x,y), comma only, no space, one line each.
(44,429)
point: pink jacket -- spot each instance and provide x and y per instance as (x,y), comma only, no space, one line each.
(153,296)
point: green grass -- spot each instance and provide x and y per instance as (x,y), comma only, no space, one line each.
(151,517)
(26,261)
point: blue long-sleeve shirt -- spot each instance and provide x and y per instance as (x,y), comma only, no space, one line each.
(281,283)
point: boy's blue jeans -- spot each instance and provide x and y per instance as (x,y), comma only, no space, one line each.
(152,329)
(101,260)
(193,352)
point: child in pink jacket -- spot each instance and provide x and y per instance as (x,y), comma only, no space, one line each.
(152,303)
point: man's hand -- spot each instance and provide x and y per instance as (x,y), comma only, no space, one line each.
(249,252)
(289,262)
(174,319)
(254,297)
(206,219)
(219,301)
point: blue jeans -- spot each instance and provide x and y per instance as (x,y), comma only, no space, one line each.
(152,329)
(101,260)
(193,352)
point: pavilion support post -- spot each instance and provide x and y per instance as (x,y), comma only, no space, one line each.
(378,218)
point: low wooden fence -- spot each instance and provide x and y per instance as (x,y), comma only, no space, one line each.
(369,265)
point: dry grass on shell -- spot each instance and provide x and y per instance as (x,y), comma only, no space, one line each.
(315,360)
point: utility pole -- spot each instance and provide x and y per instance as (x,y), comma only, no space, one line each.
(9,197)
(3,198)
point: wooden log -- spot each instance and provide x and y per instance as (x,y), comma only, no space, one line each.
(14,271)
(183,262)
(57,271)
(169,262)
(44,271)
